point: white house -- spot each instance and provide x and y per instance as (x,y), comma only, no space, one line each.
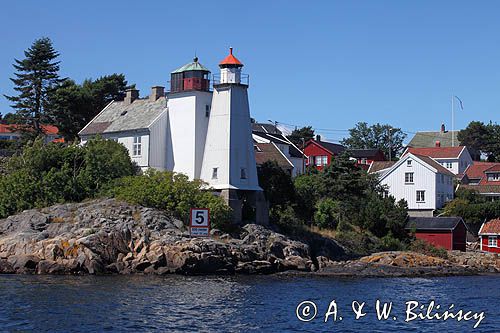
(455,159)
(425,184)
(290,154)
(203,133)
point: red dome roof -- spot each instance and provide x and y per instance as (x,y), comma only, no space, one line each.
(231,59)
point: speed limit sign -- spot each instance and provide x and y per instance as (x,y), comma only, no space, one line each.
(199,222)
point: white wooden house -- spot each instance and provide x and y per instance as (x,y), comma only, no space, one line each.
(425,184)
(455,159)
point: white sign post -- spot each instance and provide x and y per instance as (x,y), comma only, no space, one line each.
(199,222)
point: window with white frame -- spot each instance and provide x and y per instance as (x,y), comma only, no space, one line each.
(449,165)
(214,173)
(420,196)
(137,146)
(321,160)
(408,177)
(493,177)
(408,163)
(364,161)
(492,241)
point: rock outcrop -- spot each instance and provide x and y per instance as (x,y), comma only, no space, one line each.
(112,237)
(108,236)
(397,263)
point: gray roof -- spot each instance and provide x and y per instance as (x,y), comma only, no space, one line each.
(433,223)
(377,166)
(265,128)
(428,139)
(192,66)
(334,148)
(118,116)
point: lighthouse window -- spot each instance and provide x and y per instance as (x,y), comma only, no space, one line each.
(137,146)
(207,110)
(214,173)
(243,174)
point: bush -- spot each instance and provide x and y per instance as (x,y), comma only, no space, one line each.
(171,192)
(428,249)
(327,213)
(390,243)
(47,174)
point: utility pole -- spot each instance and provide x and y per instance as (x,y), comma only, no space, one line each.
(390,143)
(452,122)
(303,155)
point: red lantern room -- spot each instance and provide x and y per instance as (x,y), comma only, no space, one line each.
(192,76)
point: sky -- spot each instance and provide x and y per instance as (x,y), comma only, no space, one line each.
(327,64)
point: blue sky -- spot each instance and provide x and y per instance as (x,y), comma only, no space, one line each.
(328,64)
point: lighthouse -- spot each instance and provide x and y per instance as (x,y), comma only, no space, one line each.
(229,159)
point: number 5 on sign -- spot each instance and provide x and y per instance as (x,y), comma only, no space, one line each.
(199,222)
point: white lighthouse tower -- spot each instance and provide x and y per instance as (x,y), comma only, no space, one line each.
(229,158)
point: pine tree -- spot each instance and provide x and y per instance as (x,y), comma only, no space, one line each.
(35,79)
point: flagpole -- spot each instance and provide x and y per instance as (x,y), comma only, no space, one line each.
(452,123)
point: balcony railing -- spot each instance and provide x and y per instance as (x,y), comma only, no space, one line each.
(244,79)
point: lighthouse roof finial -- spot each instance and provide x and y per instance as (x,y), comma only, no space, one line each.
(231,60)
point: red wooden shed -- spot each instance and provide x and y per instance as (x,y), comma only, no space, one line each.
(446,232)
(489,235)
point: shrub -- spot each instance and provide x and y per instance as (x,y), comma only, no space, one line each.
(172,192)
(46,174)
(390,243)
(428,249)
(327,213)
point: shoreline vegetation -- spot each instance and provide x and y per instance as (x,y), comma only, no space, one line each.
(108,236)
(71,209)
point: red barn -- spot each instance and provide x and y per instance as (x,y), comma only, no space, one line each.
(321,153)
(446,232)
(489,235)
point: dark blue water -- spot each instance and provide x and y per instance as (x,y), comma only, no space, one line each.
(234,304)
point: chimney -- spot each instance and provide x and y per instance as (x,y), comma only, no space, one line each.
(443,129)
(318,137)
(438,143)
(131,95)
(156,92)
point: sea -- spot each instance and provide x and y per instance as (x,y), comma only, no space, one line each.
(274,303)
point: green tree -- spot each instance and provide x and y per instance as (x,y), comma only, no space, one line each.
(475,136)
(480,139)
(384,137)
(46,174)
(10,118)
(74,105)
(301,135)
(36,77)
(276,183)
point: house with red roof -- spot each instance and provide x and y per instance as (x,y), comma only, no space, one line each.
(484,178)
(489,235)
(12,132)
(321,153)
(455,159)
(424,183)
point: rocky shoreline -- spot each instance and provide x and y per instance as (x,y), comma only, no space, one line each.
(111,237)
